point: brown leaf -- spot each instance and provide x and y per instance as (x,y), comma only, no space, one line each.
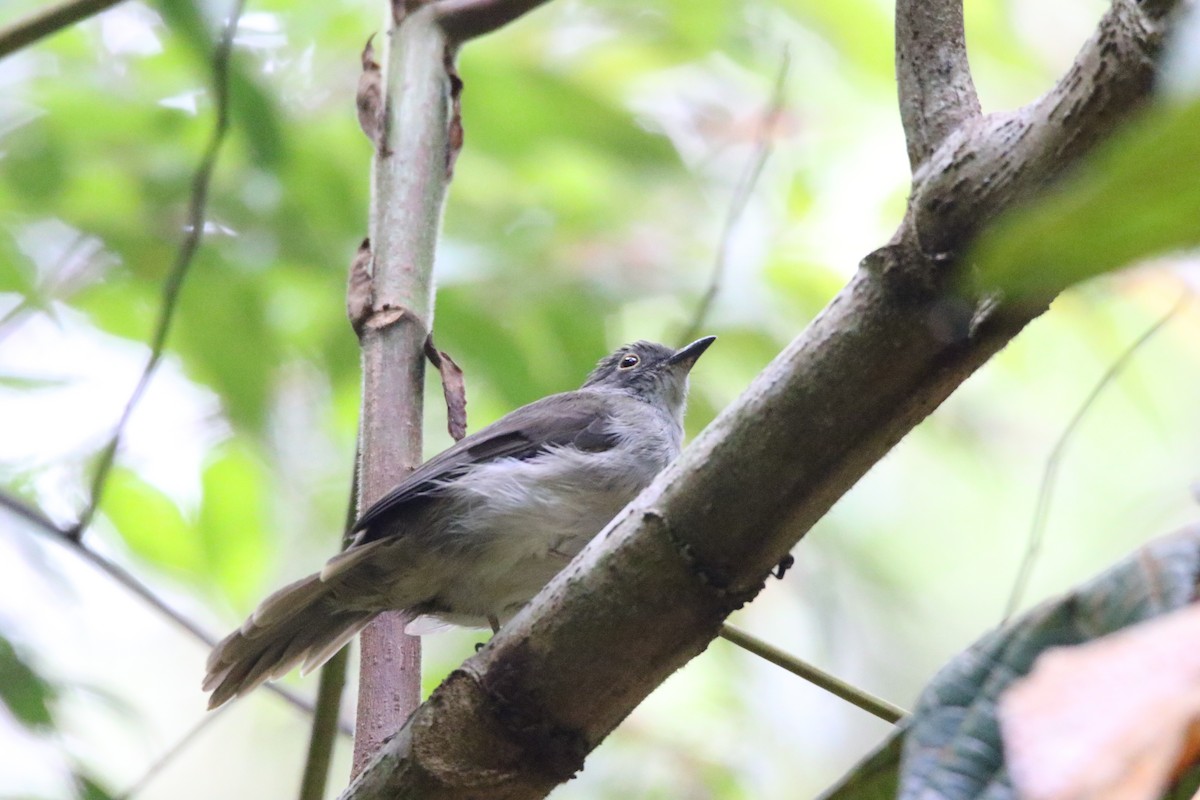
(1114,719)
(359,292)
(369,98)
(454,387)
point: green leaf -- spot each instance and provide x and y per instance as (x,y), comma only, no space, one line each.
(1133,198)
(224,338)
(23,692)
(233,520)
(950,747)
(88,788)
(151,523)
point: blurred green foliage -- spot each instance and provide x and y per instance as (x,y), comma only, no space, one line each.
(603,144)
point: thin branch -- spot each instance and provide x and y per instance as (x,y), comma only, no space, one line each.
(122,576)
(329,689)
(1041,509)
(814,675)
(932,73)
(197,208)
(41,24)
(171,753)
(468,19)
(742,193)
(325,727)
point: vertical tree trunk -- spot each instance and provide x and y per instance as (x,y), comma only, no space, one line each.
(408,187)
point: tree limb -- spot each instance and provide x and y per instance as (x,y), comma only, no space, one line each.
(411,172)
(937,94)
(47,21)
(652,590)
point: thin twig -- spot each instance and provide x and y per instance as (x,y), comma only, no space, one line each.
(324,729)
(1041,508)
(133,585)
(818,677)
(329,689)
(468,19)
(742,193)
(197,207)
(169,755)
(41,24)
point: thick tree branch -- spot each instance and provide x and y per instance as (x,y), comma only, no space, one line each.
(937,94)
(998,159)
(469,19)
(47,21)
(411,172)
(651,591)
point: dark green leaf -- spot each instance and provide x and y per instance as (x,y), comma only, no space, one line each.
(27,695)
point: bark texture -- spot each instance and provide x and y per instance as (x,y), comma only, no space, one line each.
(652,590)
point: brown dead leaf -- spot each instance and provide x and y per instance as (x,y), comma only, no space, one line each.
(1117,718)
(358,289)
(369,97)
(454,387)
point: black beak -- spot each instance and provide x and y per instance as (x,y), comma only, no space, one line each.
(688,355)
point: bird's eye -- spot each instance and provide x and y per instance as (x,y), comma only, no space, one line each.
(628,362)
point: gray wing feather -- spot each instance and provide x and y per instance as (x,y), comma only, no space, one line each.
(578,419)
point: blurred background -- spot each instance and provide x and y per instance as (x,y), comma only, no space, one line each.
(604,147)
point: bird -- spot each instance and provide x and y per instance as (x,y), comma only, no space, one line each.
(475,532)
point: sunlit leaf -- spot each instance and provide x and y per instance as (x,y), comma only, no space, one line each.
(151,523)
(233,520)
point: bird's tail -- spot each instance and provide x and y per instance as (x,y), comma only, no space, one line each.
(299,624)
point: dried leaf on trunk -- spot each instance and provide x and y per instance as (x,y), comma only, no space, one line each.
(369,98)
(358,289)
(454,387)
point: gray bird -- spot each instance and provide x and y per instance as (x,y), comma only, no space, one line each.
(475,532)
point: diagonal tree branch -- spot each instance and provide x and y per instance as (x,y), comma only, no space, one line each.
(48,21)
(652,590)
(937,94)
(197,208)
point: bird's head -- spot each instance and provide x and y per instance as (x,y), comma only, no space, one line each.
(651,371)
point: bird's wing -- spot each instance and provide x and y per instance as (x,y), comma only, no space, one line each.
(577,419)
